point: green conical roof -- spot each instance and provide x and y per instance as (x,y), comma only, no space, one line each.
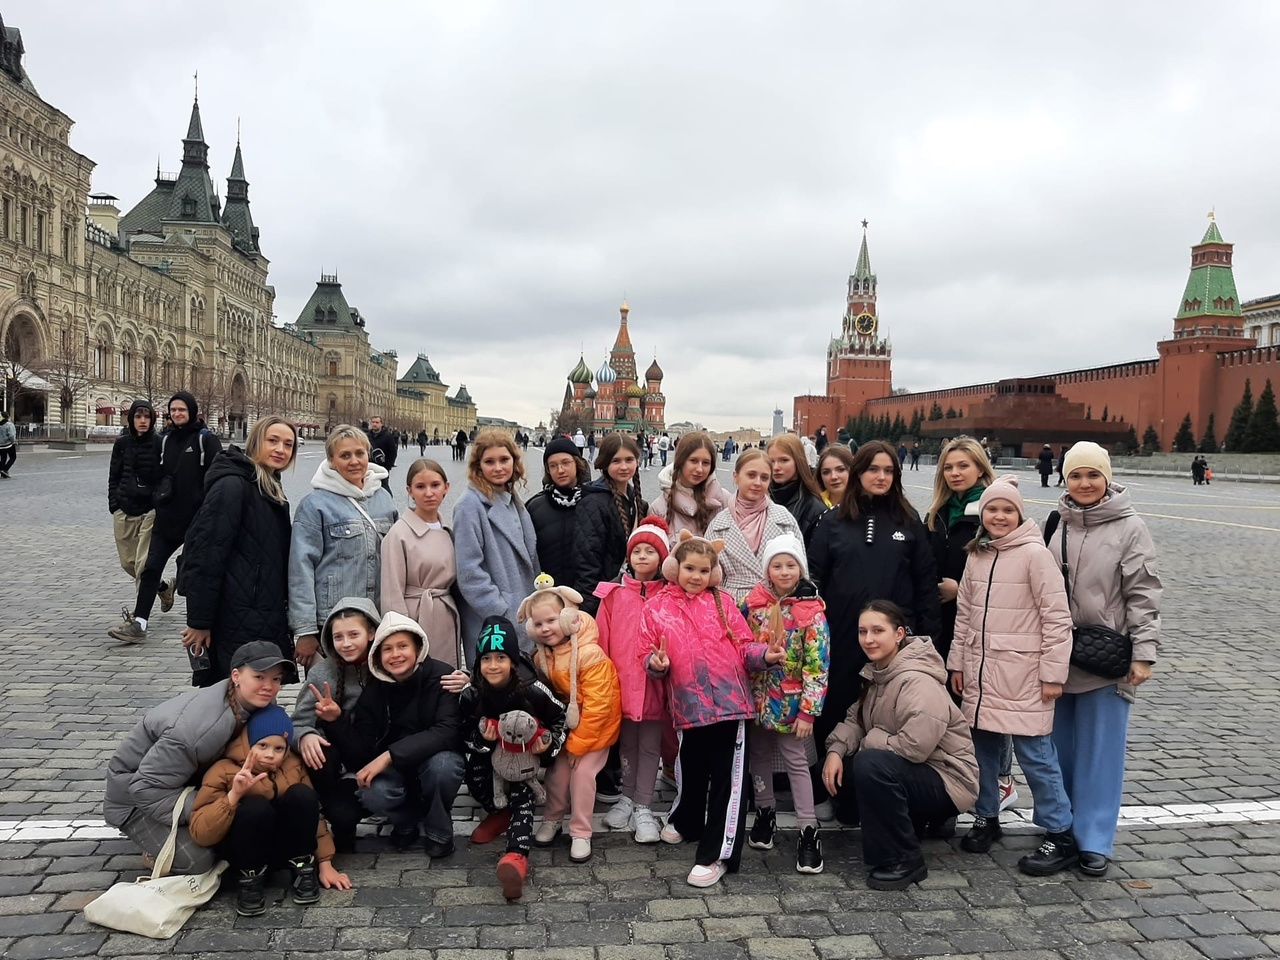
(581,373)
(863,270)
(1211,287)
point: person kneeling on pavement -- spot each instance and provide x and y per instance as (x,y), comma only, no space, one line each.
(258,808)
(404,738)
(172,746)
(901,762)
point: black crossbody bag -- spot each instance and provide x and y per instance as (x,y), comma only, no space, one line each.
(1095,648)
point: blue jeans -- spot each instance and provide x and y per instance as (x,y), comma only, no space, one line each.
(1089,730)
(1039,761)
(426,799)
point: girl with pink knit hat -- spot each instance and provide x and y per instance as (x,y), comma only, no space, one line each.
(1008,661)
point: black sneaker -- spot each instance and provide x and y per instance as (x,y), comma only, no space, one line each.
(436,849)
(1056,852)
(251,893)
(941,829)
(402,838)
(809,852)
(306,880)
(763,829)
(984,832)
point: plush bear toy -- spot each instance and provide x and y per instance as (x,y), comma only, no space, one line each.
(513,758)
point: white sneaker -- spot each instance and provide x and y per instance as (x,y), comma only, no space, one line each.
(580,849)
(670,834)
(1008,793)
(824,811)
(619,816)
(646,825)
(701,876)
(546,833)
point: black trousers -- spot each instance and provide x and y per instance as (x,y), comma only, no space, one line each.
(710,807)
(7,456)
(895,799)
(338,801)
(267,833)
(162,548)
(519,801)
(834,710)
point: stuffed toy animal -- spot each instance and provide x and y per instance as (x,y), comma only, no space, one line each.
(513,758)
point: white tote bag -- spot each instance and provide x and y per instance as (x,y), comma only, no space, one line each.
(156,906)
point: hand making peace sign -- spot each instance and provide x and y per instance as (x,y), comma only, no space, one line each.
(327,708)
(244,781)
(777,651)
(659,662)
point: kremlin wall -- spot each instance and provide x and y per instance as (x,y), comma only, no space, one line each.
(1199,370)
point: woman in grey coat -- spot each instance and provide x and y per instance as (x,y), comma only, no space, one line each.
(172,746)
(494,538)
(336,550)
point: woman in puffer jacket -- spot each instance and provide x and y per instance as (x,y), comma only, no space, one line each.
(1111,566)
(1009,661)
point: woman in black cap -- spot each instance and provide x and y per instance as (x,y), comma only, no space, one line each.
(172,746)
(552,509)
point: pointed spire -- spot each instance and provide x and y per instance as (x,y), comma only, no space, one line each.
(195,129)
(863,270)
(237,165)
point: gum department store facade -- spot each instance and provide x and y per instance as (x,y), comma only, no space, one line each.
(1216,344)
(97,311)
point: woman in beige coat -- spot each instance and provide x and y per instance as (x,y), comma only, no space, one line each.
(1009,658)
(418,564)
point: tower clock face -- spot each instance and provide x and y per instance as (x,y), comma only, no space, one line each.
(865,324)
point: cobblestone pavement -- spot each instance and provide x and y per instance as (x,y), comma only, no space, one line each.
(1197,868)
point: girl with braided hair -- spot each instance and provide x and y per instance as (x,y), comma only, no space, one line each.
(610,509)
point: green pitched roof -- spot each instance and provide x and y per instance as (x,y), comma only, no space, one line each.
(194,198)
(420,372)
(1211,287)
(863,270)
(327,308)
(235,216)
(1212,235)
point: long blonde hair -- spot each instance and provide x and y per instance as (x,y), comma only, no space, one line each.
(793,448)
(269,479)
(972,449)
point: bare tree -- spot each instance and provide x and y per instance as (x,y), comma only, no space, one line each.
(14,377)
(69,370)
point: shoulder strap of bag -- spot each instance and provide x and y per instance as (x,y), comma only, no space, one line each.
(164,859)
(1065,566)
(364,513)
(1050,525)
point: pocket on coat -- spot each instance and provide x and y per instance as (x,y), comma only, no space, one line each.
(347,538)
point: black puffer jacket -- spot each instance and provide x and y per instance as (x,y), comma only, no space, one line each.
(601,540)
(135,467)
(801,504)
(187,453)
(235,574)
(896,564)
(554,525)
(949,556)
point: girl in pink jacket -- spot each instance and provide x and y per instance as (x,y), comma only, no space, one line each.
(1009,660)
(644,712)
(695,638)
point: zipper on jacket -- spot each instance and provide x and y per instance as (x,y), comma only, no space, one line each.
(982,665)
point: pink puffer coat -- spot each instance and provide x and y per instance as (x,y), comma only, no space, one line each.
(618,618)
(1013,633)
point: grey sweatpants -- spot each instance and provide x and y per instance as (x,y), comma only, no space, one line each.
(188,856)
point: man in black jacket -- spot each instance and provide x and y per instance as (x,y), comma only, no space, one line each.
(186,451)
(131,482)
(384,449)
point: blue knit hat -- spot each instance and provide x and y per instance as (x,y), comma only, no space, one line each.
(270,721)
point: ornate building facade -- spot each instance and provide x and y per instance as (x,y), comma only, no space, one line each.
(98,310)
(619,400)
(1216,344)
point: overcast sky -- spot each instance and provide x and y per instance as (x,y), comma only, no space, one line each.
(490,179)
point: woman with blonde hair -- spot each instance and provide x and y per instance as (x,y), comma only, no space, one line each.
(749,522)
(793,485)
(497,550)
(691,495)
(236,575)
(337,537)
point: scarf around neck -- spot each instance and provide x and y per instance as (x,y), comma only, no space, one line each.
(750,518)
(565,497)
(955,506)
(327,478)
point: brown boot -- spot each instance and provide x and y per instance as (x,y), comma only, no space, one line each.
(491,827)
(512,870)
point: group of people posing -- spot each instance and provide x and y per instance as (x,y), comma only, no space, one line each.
(813,624)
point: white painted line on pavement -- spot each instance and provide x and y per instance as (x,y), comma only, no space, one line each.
(76,457)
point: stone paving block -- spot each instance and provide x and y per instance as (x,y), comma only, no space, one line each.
(1168,950)
(1230,947)
(913,944)
(1260,921)
(1104,951)
(130,944)
(848,948)
(780,948)
(440,938)
(624,910)
(24,925)
(1175,906)
(48,948)
(720,929)
(66,882)
(812,926)
(742,905)
(677,909)
(705,951)
(1161,928)
(371,938)
(667,931)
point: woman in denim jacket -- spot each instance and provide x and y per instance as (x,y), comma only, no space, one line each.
(337,537)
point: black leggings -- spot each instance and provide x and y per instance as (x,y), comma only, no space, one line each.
(267,833)
(337,796)
(7,456)
(519,801)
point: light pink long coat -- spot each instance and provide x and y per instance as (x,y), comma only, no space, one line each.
(1013,633)
(418,572)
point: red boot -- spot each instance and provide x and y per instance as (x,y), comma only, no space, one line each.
(512,870)
(491,827)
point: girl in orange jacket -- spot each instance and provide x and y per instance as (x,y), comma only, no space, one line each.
(568,657)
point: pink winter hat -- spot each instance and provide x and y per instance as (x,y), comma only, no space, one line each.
(1004,488)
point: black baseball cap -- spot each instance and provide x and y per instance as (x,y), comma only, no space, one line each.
(258,655)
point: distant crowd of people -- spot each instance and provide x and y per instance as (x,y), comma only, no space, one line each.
(807,622)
